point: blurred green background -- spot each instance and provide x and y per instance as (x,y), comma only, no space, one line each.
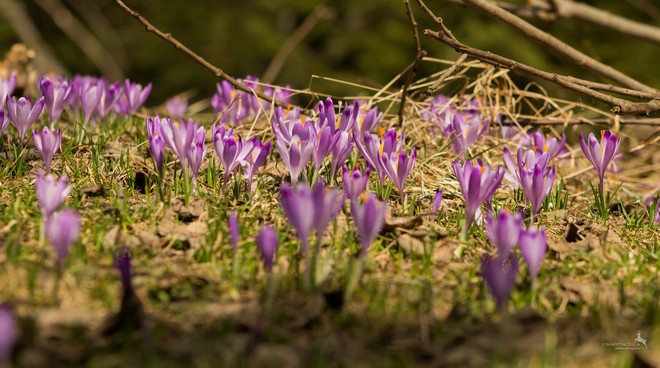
(365,41)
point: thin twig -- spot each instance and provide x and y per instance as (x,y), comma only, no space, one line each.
(618,105)
(449,71)
(584,121)
(217,71)
(557,45)
(318,14)
(568,9)
(418,59)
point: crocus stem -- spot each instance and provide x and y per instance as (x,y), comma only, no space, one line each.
(354,276)
(601,193)
(56,286)
(234,267)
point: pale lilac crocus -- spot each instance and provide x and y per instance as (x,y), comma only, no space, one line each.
(355,182)
(466,128)
(234,230)
(56,92)
(504,230)
(156,142)
(91,91)
(533,245)
(398,166)
(267,243)
(324,142)
(110,96)
(8,332)
(544,143)
(50,193)
(600,154)
(62,230)
(231,150)
(478,184)
(179,137)
(47,142)
(328,202)
(369,217)
(7,85)
(4,121)
(255,159)
(437,201)
(176,107)
(536,184)
(23,114)
(500,274)
(526,161)
(298,206)
(295,155)
(366,121)
(196,153)
(373,149)
(340,151)
(440,110)
(134,97)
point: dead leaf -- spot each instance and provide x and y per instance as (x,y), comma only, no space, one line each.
(402,222)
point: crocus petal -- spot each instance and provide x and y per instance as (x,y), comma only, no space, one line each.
(267,243)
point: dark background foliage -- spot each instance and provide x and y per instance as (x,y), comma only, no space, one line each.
(367,41)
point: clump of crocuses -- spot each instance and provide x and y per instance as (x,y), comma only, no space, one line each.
(505,231)
(600,154)
(478,184)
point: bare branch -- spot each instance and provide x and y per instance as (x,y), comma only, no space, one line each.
(449,71)
(418,59)
(583,121)
(569,9)
(558,46)
(217,71)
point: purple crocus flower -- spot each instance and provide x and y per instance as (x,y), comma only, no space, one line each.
(355,182)
(440,110)
(369,217)
(47,142)
(324,142)
(504,231)
(23,114)
(231,151)
(234,230)
(500,274)
(437,201)
(123,264)
(533,246)
(91,91)
(196,153)
(55,92)
(62,230)
(540,144)
(295,155)
(341,150)
(110,96)
(51,193)
(371,150)
(326,109)
(478,184)
(4,121)
(366,121)
(465,130)
(398,166)
(7,85)
(257,157)
(8,332)
(179,137)
(298,206)
(526,162)
(267,244)
(176,107)
(327,204)
(536,184)
(156,142)
(133,98)
(600,154)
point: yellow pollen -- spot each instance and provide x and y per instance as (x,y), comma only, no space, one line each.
(298,143)
(287,109)
(534,148)
(545,148)
(361,122)
(357,166)
(303,119)
(467,132)
(547,135)
(525,166)
(319,134)
(602,134)
(363,197)
(337,124)
(364,108)
(237,138)
(380,149)
(381,131)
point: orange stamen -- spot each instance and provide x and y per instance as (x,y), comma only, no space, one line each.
(380,149)
(545,148)
(481,170)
